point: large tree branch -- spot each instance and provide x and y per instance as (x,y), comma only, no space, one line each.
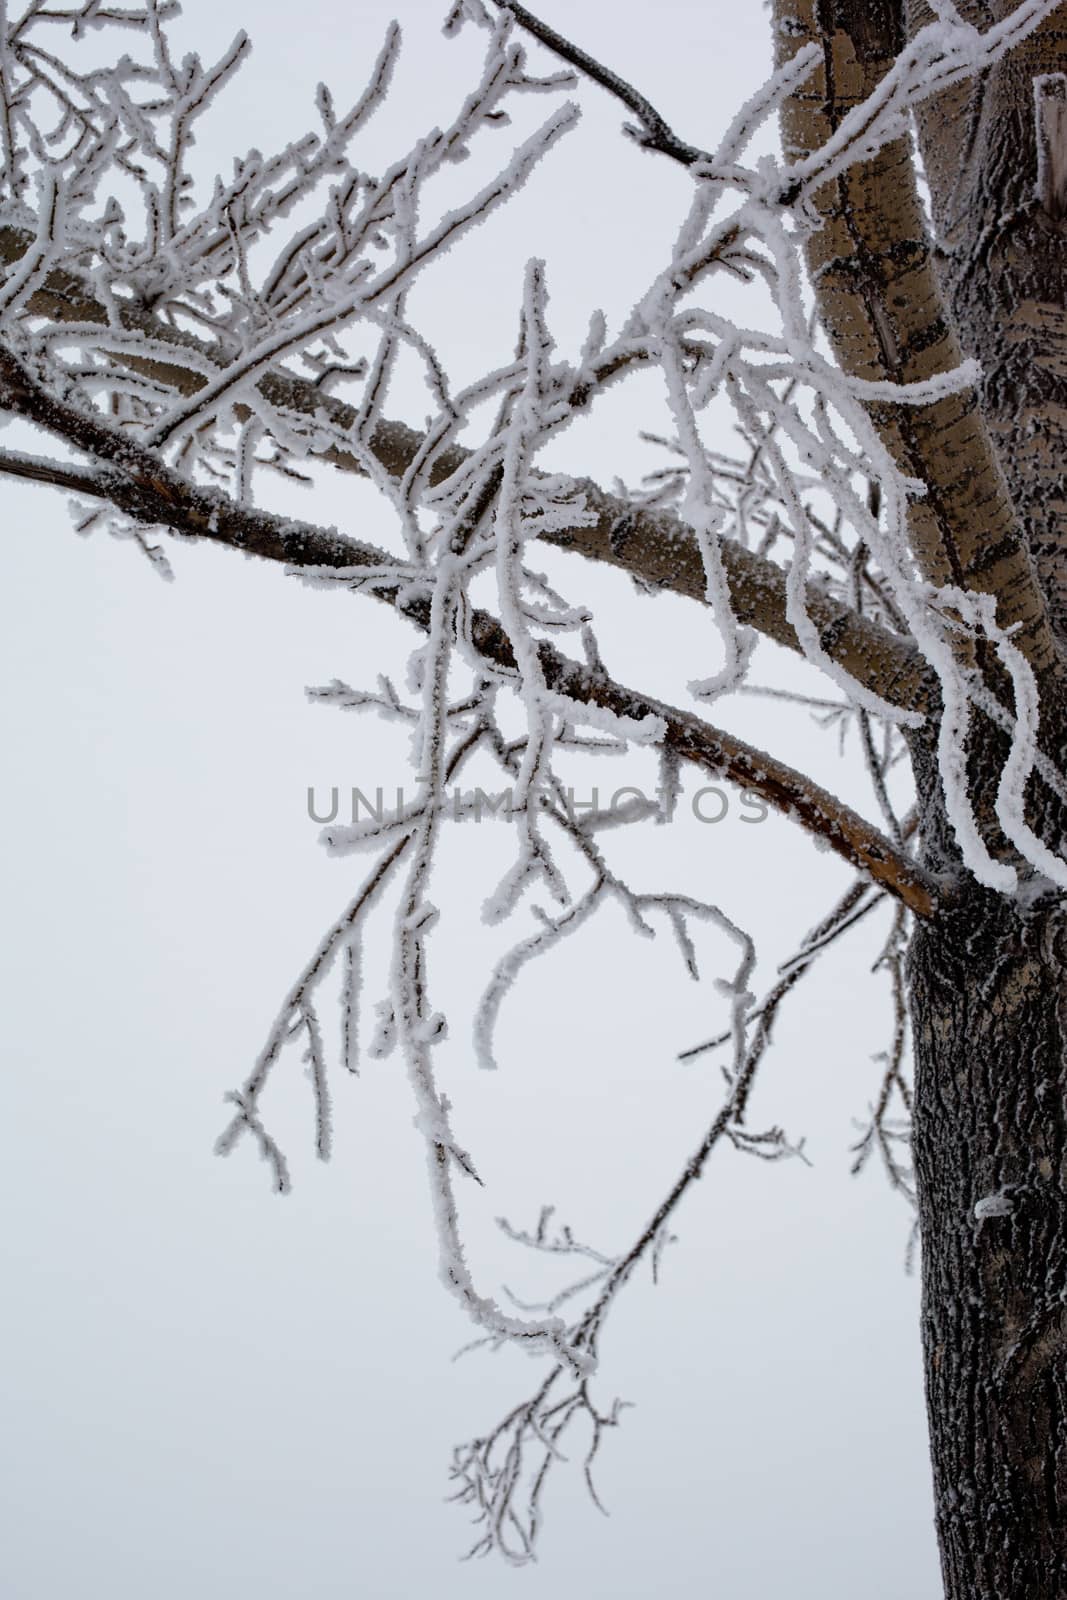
(654,546)
(879,298)
(140,484)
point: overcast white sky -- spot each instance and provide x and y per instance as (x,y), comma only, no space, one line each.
(211,1391)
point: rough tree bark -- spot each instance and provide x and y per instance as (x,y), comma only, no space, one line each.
(989,982)
(990,1138)
(987,975)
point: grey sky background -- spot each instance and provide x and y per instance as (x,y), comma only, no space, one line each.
(209,1390)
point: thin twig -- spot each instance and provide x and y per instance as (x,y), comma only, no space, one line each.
(654,132)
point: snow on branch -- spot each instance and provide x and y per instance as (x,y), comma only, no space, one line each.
(183,350)
(501,1475)
(641,534)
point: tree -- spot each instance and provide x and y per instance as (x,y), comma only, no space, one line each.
(900,459)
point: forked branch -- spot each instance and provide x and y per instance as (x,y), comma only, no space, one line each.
(138,482)
(651,543)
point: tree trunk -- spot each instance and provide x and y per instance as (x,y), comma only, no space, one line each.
(988,975)
(989,1004)
(880,301)
(988,982)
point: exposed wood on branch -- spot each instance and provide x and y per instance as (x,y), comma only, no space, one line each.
(653,131)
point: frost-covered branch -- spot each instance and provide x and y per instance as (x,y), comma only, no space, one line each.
(183,350)
(637,534)
(298,1015)
(888,1135)
(136,482)
(501,1475)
